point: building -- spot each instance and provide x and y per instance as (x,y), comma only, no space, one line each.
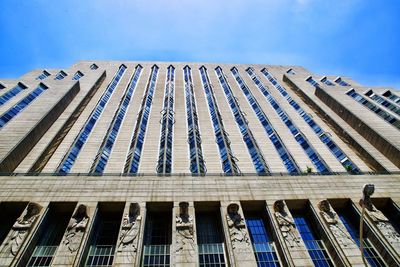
(190,164)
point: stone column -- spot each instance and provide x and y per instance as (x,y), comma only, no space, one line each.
(293,247)
(129,235)
(238,241)
(78,229)
(22,231)
(338,234)
(184,241)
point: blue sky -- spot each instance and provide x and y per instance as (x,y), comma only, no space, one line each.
(357,38)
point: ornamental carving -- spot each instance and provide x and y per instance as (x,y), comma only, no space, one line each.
(128,239)
(237,227)
(184,230)
(76,228)
(286,224)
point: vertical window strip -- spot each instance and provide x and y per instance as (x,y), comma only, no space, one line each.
(43,75)
(105,149)
(11,93)
(311,81)
(280,147)
(228,159)
(327,82)
(382,101)
(263,245)
(314,245)
(255,153)
(313,155)
(61,75)
(371,255)
(21,105)
(76,147)
(135,149)
(77,75)
(167,121)
(348,164)
(392,97)
(341,82)
(197,164)
(380,112)
(94,66)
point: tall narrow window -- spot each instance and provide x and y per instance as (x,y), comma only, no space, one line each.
(135,149)
(327,82)
(313,155)
(228,159)
(210,239)
(167,121)
(2,86)
(382,101)
(43,75)
(341,82)
(49,235)
(392,96)
(105,149)
(21,105)
(261,239)
(378,111)
(77,75)
(197,164)
(94,66)
(11,93)
(312,240)
(311,81)
(291,71)
(327,140)
(351,222)
(100,248)
(69,159)
(157,239)
(61,75)
(256,155)
(286,157)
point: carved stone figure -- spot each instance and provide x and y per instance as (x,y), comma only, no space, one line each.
(383,224)
(184,230)
(76,228)
(332,219)
(22,227)
(236,226)
(286,224)
(130,229)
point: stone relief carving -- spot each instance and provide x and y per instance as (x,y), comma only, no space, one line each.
(76,228)
(128,239)
(22,227)
(383,224)
(184,229)
(332,220)
(286,224)
(237,227)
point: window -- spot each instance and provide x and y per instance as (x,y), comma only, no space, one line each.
(291,71)
(157,239)
(228,160)
(210,239)
(312,240)
(2,86)
(21,105)
(71,156)
(77,75)
(255,153)
(94,67)
(315,158)
(48,236)
(351,222)
(382,101)
(263,245)
(105,149)
(11,93)
(330,144)
(167,121)
(197,164)
(135,150)
(103,238)
(311,81)
(381,113)
(341,82)
(61,75)
(43,75)
(286,158)
(327,82)
(392,97)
